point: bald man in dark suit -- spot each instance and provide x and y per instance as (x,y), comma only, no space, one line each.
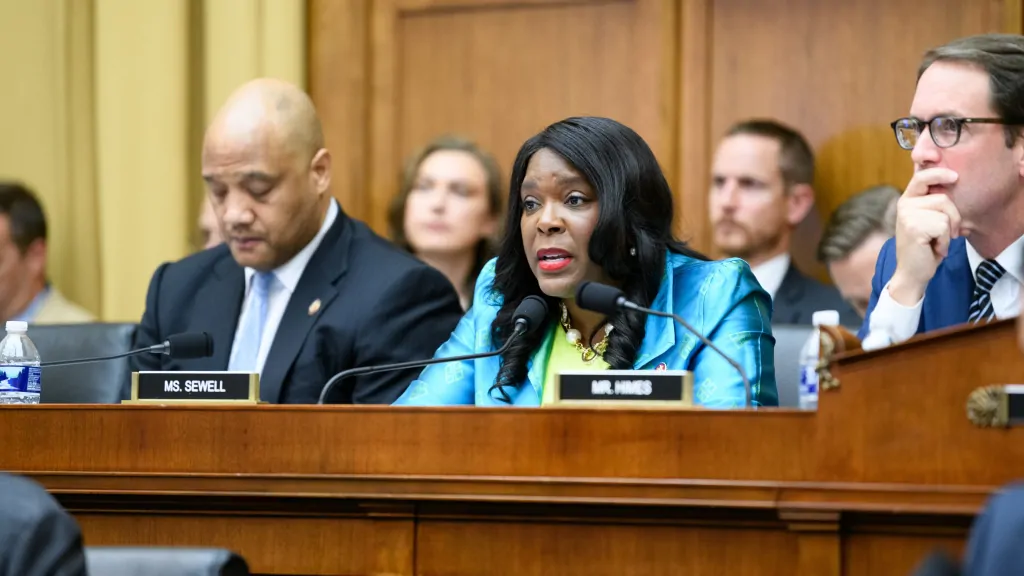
(299,290)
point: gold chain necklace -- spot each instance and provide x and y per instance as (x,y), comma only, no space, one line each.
(588,353)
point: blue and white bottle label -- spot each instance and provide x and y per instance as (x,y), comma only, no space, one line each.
(20,384)
(808,388)
(808,380)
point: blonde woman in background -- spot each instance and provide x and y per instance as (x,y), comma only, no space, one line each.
(448,209)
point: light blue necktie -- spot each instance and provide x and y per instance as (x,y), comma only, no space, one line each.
(248,345)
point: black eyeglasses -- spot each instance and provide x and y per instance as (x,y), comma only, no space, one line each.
(944,130)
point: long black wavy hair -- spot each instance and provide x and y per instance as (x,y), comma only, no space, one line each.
(635,212)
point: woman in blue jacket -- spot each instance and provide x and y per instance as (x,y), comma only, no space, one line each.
(588,201)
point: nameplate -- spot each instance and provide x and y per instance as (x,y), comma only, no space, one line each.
(195,387)
(625,388)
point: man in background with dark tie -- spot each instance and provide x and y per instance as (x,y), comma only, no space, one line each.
(299,291)
(956,256)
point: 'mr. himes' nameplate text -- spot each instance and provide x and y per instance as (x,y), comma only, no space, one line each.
(626,387)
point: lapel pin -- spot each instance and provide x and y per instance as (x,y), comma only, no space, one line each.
(662,366)
(314,307)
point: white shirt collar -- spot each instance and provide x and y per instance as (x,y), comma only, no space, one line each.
(289,273)
(770,273)
(1011,258)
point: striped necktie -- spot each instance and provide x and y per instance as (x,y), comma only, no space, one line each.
(989,272)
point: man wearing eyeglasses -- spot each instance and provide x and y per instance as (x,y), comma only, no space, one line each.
(956,256)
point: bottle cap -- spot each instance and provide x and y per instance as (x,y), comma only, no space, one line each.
(17,326)
(825,318)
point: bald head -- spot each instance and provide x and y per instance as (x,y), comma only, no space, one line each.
(267,172)
(271,109)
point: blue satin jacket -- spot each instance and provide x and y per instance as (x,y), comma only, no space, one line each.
(722,299)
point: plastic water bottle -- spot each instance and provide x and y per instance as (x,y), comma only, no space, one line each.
(809,358)
(20,374)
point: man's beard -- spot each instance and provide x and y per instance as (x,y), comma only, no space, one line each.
(750,244)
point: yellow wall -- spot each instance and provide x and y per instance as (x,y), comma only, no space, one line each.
(46,115)
(102,112)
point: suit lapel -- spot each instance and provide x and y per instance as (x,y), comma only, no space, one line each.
(955,284)
(219,304)
(327,265)
(789,293)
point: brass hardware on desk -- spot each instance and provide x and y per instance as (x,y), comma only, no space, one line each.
(826,381)
(988,406)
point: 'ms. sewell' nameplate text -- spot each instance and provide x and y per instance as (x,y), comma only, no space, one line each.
(195,387)
(663,388)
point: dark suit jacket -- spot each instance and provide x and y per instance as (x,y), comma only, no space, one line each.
(37,537)
(994,544)
(799,297)
(947,298)
(378,305)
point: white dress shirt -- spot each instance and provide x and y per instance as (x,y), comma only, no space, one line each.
(286,278)
(892,322)
(771,272)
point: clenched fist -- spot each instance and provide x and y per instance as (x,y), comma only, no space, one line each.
(925,223)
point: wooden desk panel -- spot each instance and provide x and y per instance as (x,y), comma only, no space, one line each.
(895,553)
(271,544)
(525,548)
(886,469)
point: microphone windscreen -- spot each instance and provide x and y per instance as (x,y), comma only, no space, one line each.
(534,310)
(598,297)
(190,345)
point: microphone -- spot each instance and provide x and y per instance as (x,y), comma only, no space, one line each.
(937,564)
(529,316)
(180,346)
(607,300)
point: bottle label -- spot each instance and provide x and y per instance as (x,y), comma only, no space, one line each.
(20,384)
(808,381)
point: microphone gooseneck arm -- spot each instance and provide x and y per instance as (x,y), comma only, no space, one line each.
(624,303)
(155,349)
(521,327)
